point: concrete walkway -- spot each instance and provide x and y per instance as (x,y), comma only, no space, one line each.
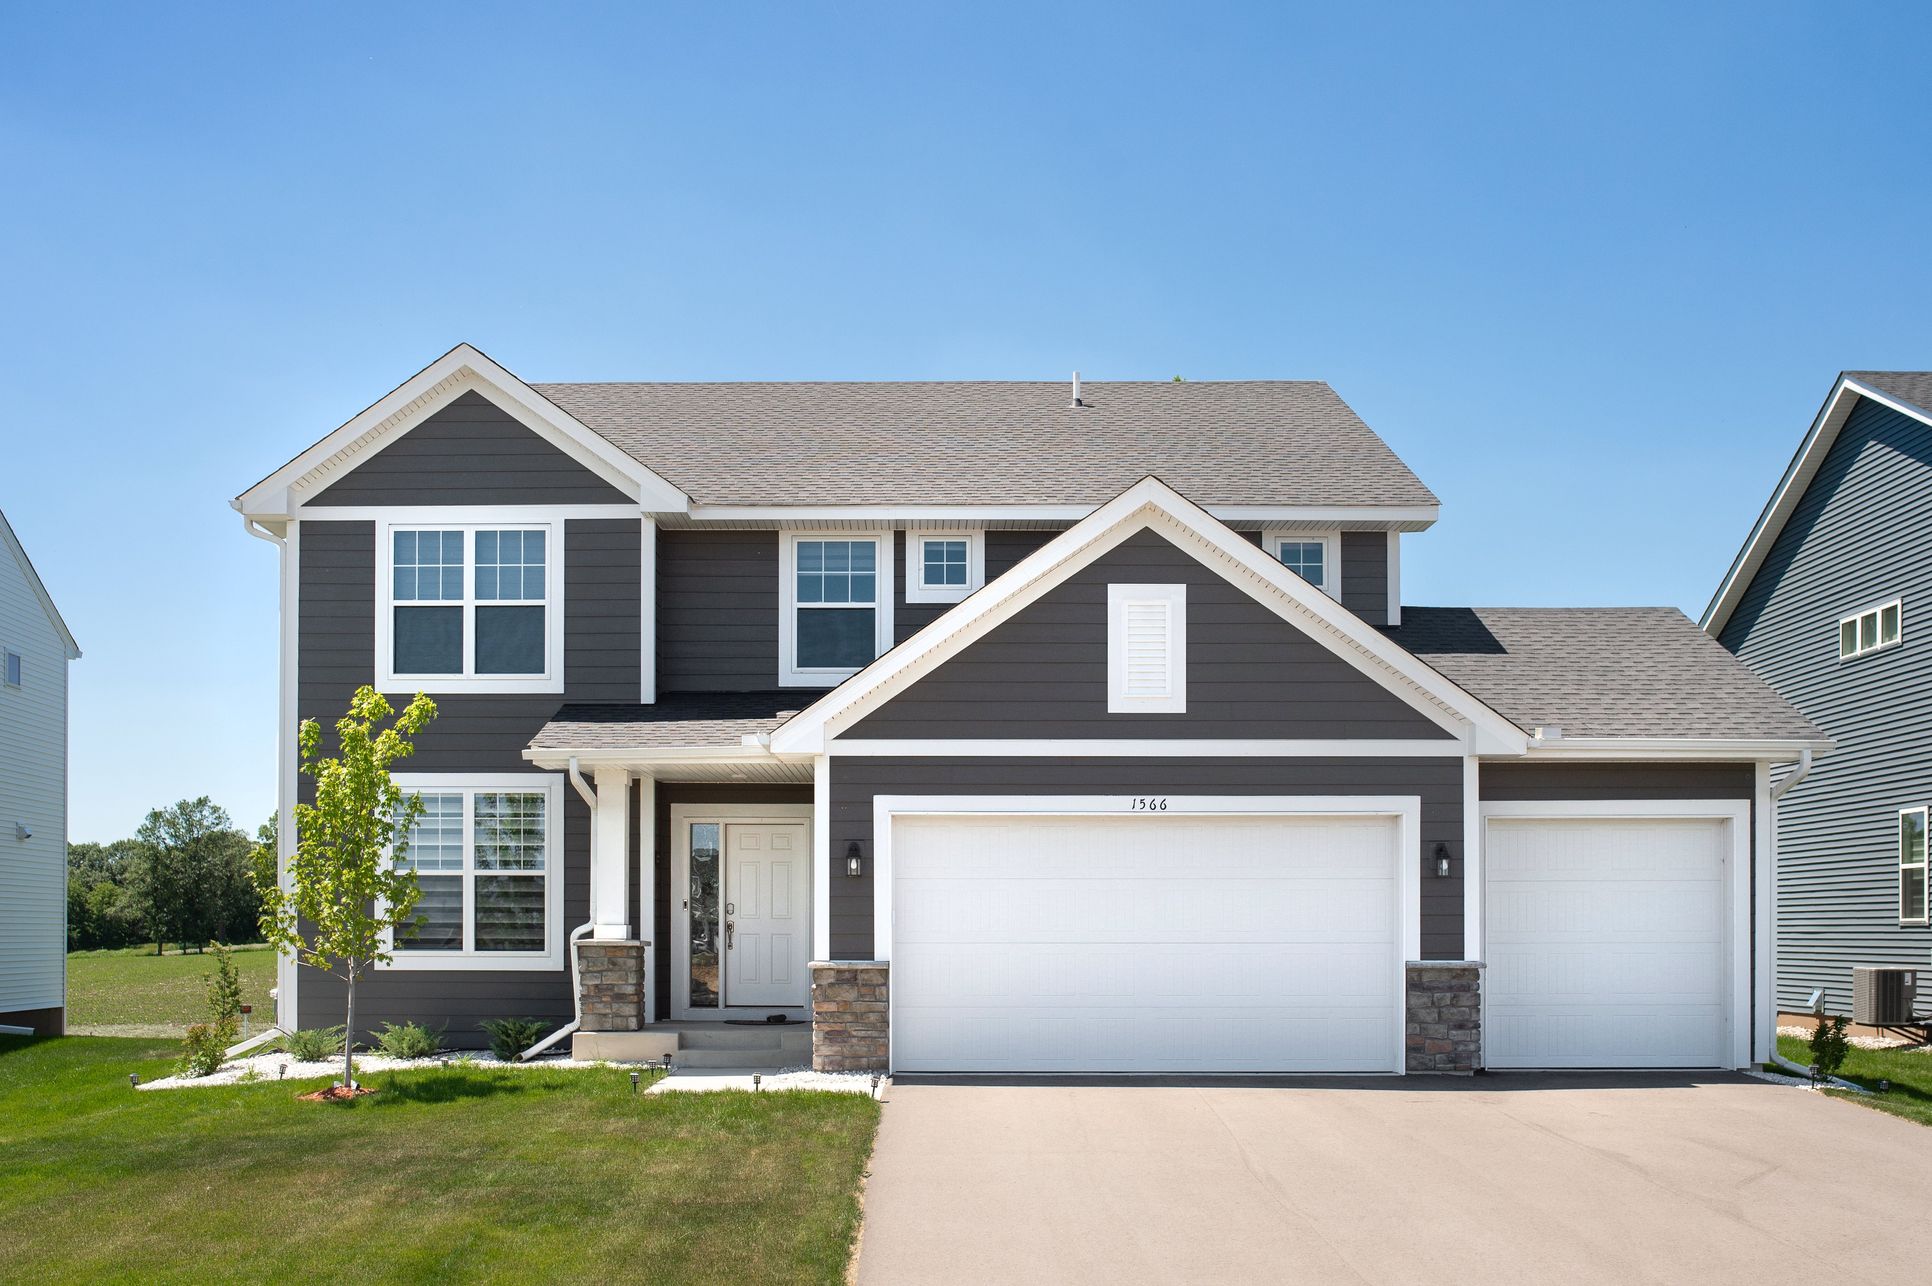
(1505,1178)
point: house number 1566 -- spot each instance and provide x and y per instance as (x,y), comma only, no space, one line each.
(1143,804)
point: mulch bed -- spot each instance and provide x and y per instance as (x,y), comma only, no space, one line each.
(334,1094)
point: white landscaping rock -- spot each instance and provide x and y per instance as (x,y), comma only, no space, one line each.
(703,1080)
(270,1067)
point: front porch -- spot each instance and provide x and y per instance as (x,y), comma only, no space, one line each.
(738,1046)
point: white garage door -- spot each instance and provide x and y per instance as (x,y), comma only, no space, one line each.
(1144,944)
(1606,942)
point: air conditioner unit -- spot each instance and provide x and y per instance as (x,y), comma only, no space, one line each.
(1884,997)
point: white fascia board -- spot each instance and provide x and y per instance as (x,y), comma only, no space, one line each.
(462,369)
(642,757)
(1790,490)
(19,552)
(1675,748)
(1151,503)
(1177,748)
(1376,517)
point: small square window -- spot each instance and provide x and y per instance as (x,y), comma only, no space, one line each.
(944,566)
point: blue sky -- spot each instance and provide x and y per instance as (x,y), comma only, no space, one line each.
(1591,275)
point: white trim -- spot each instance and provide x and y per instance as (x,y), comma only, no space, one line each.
(1900,866)
(1123,748)
(917,591)
(463,369)
(1331,543)
(822,870)
(1610,749)
(1804,466)
(1152,504)
(1364,517)
(19,551)
(552,957)
(1857,620)
(683,816)
(1472,859)
(1406,809)
(647,613)
(1764,1027)
(1170,607)
(1736,813)
(610,856)
(288,760)
(457,515)
(790,675)
(551,680)
(1395,578)
(647,860)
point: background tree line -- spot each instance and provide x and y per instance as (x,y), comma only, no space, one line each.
(182,879)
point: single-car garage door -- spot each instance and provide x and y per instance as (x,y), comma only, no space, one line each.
(1607,942)
(1145,943)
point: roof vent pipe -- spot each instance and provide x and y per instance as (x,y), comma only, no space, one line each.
(1076,391)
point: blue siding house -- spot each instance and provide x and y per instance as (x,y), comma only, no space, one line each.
(1830,601)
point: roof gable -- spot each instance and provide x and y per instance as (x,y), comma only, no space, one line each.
(1152,505)
(12,544)
(456,373)
(1907,392)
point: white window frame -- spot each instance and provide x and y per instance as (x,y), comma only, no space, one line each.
(1922,865)
(917,591)
(791,675)
(551,680)
(1331,543)
(550,785)
(13,669)
(1857,620)
(1119,700)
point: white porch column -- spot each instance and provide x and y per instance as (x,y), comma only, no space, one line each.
(610,895)
(647,890)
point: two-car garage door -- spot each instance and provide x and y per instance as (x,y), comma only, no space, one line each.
(1145,943)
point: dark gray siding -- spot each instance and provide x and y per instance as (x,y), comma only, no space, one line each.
(717,611)
(1044,673)
(1861,533)
(1616,781)
(472,452)
(1437,780)
(471,733)
(1365,575)
(1003,550)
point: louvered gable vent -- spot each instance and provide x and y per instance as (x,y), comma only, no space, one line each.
(1146,649)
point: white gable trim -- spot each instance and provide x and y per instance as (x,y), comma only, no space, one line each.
(1791,489)
(1153,505)
(461,370)
(19,551)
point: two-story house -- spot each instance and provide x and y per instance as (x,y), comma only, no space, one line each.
(1825,601)
(990,726)
(35,648)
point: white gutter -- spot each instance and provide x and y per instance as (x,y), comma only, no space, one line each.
(1791,779)
(576,934)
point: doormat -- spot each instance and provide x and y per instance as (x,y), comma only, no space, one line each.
(764,1022)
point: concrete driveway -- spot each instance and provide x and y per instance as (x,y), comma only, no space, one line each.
(1504,1178)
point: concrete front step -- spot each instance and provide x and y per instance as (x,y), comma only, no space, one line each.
(701,1045)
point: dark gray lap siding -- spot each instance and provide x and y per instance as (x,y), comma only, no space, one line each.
(1437,780)
(472,733)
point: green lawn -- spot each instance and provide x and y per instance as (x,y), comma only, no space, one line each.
(137,987)
(459,1172)
(1910,1073)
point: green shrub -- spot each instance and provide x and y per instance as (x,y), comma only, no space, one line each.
(315,1045)
(203,1051)
(410,1040)
(511,1036)
(225,996)
(1829,1047)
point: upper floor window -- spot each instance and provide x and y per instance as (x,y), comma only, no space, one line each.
(484,852)
(836,593)
(1869,630)
(470,608)
(1313,556)
(1911,866)
(944,566)
(12,671)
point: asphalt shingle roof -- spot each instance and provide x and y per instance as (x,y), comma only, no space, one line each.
(1286,442)
(680,719)
(1600,671)
(1908,386)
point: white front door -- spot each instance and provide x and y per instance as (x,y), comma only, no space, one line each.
(766,922)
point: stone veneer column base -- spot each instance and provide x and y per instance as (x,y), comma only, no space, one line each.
(849,1022)
(1444,1025)
(610,979)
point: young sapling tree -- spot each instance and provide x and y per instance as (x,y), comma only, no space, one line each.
(347,888)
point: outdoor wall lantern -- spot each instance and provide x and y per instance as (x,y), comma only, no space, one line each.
(1442,861)
(854,864)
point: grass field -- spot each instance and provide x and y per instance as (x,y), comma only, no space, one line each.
(459,1172)
(1909,1071)
(135,987)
